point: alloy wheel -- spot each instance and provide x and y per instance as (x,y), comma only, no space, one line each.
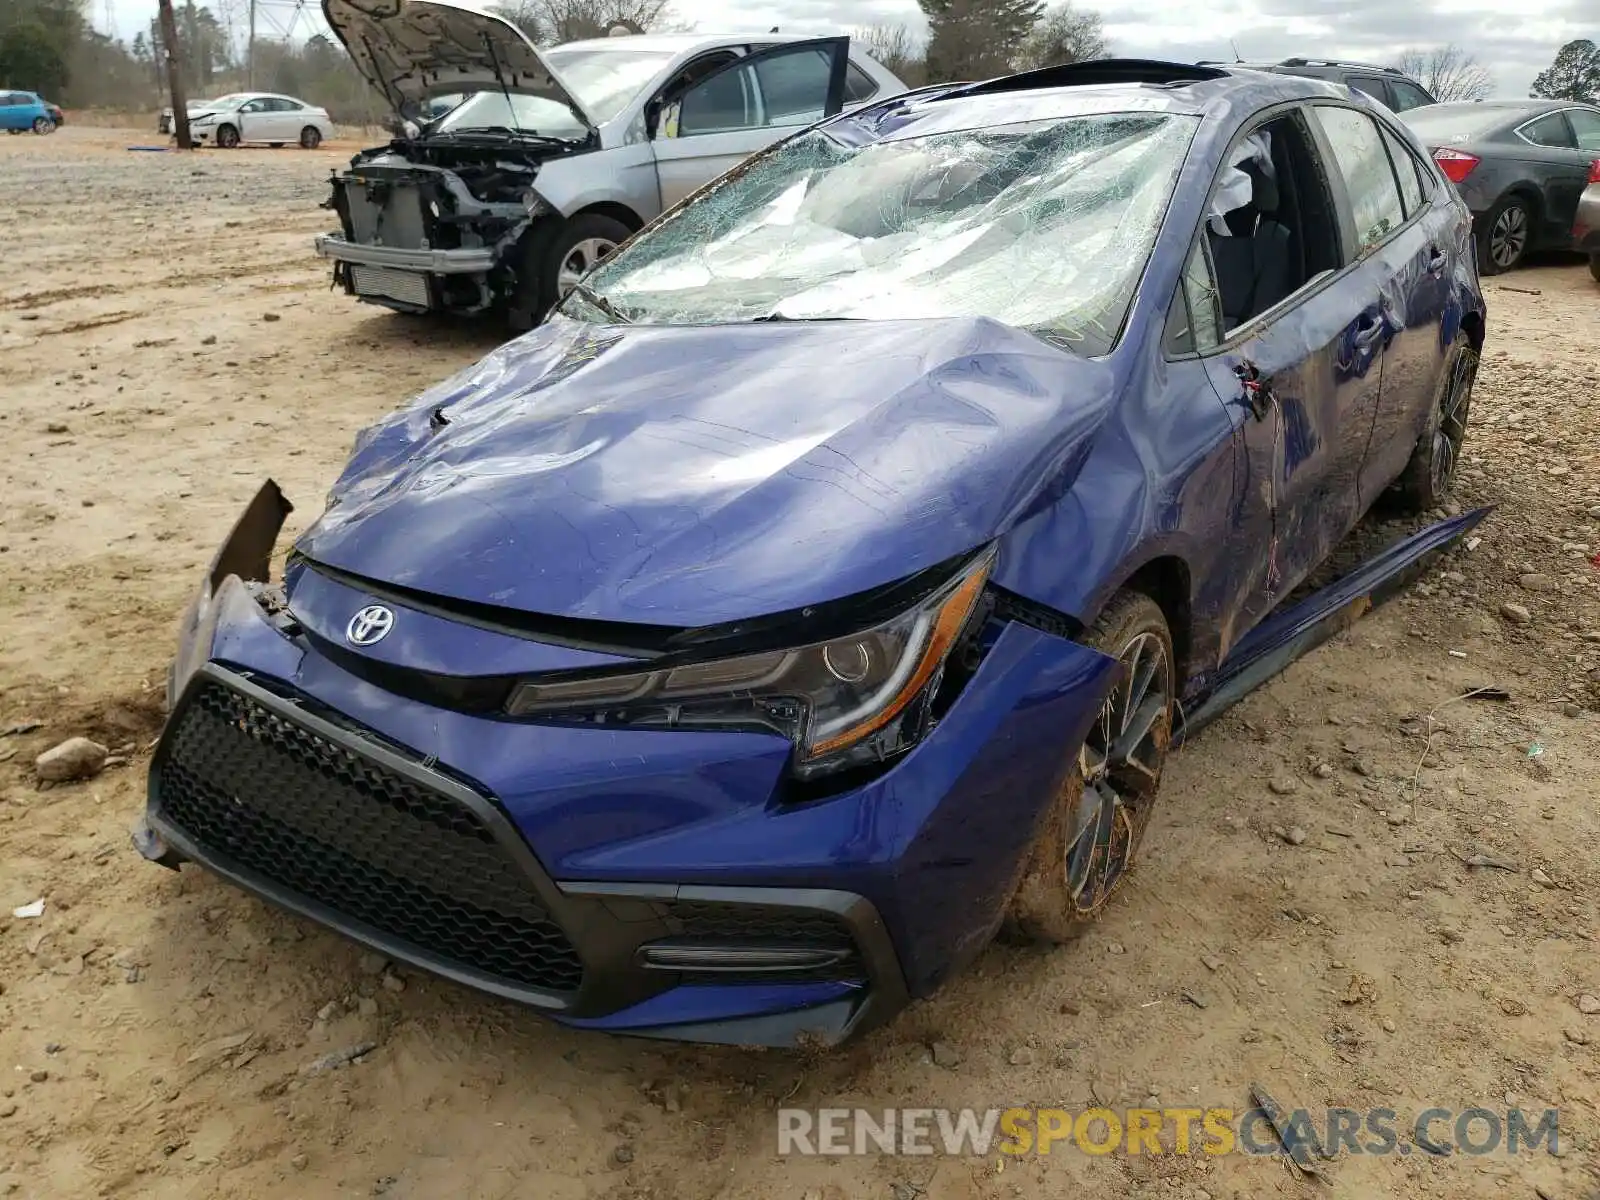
(1508,238)
(1120,768)
(580,259)
(43,125)
(1454,407)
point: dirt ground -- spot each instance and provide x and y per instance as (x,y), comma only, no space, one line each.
(167,339)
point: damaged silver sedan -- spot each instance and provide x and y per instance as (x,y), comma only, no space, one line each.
(551,158)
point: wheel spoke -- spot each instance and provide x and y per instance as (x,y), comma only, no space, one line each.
(1136,731)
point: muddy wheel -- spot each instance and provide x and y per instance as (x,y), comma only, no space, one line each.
(310,138)
(1433,462)
(1505,235)
(43,125)
(227,137)
(1086,846)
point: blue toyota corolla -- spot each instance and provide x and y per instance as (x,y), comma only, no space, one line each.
(821,588)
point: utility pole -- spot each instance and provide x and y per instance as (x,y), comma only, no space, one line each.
(169,47)
(250,52)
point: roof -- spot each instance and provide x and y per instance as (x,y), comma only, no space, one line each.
(1083,89)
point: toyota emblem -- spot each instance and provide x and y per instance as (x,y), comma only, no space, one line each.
(369,626)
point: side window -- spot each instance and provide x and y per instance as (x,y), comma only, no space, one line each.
(1586,124)
(794,87)
(858,85)
(723,102)
(289,105)
(253,106)
(1549,130)
(1369,85)
(1194,322)
(1408,95)
(1369,179)
(1405,169)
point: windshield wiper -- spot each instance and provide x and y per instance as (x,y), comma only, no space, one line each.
(589,296)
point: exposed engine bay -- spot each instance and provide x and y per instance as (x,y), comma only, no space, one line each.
(434,195)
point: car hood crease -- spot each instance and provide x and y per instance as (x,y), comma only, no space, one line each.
(688,476)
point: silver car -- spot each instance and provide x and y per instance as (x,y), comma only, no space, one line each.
(554,157)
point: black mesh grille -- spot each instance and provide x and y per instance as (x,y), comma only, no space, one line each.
(323,821)
(706,921)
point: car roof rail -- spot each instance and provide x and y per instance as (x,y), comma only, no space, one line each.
(1097,71)
(1339,62)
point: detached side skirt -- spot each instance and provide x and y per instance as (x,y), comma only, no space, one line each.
(1286,636)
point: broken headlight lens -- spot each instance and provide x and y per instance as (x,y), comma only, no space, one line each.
(845,702)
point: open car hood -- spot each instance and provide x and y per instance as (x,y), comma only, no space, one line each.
(689,476)
(412,49)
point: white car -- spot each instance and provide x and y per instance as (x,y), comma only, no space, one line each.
(267,117)
(556,155)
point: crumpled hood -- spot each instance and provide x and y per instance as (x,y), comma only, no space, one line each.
(688,476)
(412,49)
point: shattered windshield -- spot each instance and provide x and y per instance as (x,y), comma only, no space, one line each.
(1044,225)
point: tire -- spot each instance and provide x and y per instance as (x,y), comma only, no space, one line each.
(227,137)
(1594,266)
(14,132)
(1085,846)
(1505,235)
(310,137)
(550,262)
(1427,477)
(43,125)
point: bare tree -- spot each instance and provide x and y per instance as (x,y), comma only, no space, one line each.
(551,22)
(1449,73)
(1064,35)
(895,47)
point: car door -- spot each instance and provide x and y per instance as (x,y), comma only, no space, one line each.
(1559,167)
(1301,382)
(10,111)
(743,107)
(253,121)
(1422,257)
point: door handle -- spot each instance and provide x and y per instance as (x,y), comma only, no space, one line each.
(1258,395)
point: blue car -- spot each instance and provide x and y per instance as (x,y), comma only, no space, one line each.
(22,111)
(823,588)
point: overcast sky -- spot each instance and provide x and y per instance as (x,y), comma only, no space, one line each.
(1515,41)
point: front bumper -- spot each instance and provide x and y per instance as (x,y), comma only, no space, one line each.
(573,869)
(473,261)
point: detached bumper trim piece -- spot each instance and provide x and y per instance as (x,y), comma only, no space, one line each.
(473,261)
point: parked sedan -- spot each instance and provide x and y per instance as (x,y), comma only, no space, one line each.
(259,117)
(1519,164)
(730,657)
(22,111)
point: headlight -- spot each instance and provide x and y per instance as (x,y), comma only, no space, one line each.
(843,702)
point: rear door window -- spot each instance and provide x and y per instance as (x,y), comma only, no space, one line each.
(1369,179)
(1369,85)
(1549,130)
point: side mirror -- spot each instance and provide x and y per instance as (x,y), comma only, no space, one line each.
(652,117)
